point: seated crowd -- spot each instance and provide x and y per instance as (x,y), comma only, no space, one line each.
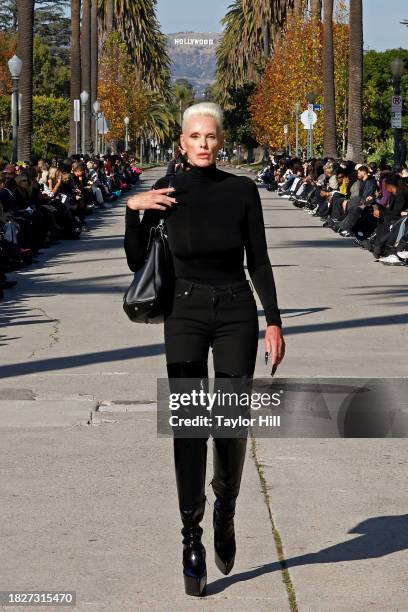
(44,203)
(367,203)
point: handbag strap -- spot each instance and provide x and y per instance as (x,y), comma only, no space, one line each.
(171,177)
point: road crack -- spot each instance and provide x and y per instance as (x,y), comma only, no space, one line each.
(53,336)
(276,535)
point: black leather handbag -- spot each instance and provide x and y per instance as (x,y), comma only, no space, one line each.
(149,297)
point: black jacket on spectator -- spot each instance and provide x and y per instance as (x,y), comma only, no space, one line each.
(397,204)
(368,188)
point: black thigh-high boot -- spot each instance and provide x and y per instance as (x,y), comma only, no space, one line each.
(228,460)
(190,461)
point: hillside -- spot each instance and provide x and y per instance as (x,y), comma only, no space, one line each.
(193,57)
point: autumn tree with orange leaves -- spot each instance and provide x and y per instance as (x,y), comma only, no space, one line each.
(295,70)
(120,90)
(8,43)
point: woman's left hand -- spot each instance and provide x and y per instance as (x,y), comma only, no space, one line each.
(274,344)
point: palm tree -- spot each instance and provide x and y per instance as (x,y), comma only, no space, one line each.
(355,120)
(109,16)
(86,66)
(299,6)
(329,140)
(316,9)
(250,30)
(75,67)
(94,60)
(183,95)
(138,26)
(25,12)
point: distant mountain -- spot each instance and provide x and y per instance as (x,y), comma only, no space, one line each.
(193,57)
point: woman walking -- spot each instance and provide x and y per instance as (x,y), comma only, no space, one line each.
(212,218)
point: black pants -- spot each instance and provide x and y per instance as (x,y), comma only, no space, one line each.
(224,318)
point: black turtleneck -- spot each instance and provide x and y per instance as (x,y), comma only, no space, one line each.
(218,215)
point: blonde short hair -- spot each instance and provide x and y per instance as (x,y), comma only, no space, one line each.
(208,109)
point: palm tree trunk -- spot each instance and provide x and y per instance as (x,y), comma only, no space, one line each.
(75,70)
(298,7)
(109,16)
(329,141)
(355,115)
(266,41)
(25,11)
(86,66)
(94,61)
(316,9)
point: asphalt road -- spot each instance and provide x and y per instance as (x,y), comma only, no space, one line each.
(88,492)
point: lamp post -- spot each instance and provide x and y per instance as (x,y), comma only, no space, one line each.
(15,65)
(84,99)
(126,121)
(96,106)
(397,69)
(297,111)
(141,147)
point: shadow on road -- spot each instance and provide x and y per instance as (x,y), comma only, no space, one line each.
(381,536)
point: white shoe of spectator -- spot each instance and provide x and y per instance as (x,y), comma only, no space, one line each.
(403,255)
(391,260)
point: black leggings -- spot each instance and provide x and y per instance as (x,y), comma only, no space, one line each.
(223,317)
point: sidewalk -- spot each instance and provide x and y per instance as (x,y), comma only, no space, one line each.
(89,492)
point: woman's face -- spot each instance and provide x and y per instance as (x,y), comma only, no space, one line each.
(201,140)
(23,182)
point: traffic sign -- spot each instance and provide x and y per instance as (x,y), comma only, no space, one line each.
(286,129)
(317,107)
(308,118)
(396,104)
(396,120)
(77,111)
(103,127)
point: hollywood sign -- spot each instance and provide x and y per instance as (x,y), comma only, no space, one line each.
(194,41)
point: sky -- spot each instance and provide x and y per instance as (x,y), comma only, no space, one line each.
(382,29)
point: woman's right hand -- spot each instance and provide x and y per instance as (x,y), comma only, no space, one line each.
(155,198)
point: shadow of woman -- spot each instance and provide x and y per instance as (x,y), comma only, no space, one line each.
(380,536)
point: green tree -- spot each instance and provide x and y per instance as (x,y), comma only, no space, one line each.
(50,126)
(50,75)
(377,93)
(237,117)
(50,23)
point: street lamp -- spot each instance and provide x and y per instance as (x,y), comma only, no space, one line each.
(96,106)
(126,121)
(397,69)
(297,111)
(15,65)
(84,100)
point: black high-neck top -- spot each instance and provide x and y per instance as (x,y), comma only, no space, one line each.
(218,217)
